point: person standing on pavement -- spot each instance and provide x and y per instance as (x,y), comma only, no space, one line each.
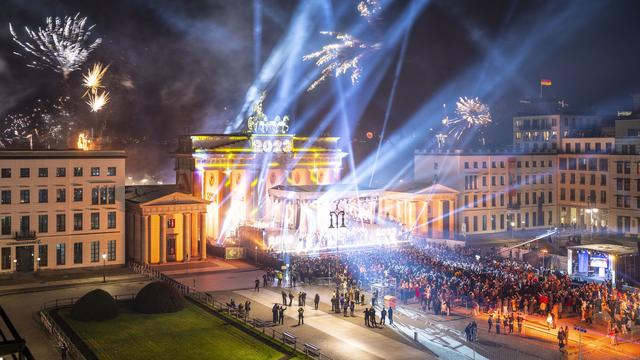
(316,301)
(390,315)
(274,313)
(264,280)
(290,298)
(281,310)
(498,325)
(372,315)
(300,316)
(490,322)
(257,287)
(284,297)
(383,315)
(519,321)
(366,317)
(353,308)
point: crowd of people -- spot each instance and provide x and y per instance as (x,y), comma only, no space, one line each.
(438,277)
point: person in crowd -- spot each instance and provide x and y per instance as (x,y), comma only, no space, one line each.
(290,298)
(274,312)
(257,285)
(300,316)
(383,315)
(352,308)
(498,325)
(390,315)
(281,310)
(284,297)
(316,301)
(490,322)
(367,320)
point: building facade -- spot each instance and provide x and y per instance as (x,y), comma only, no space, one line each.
(165,225)
(61,209)
(588,182)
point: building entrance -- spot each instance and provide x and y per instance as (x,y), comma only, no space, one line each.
(24,255)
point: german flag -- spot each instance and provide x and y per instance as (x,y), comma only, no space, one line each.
(545,82)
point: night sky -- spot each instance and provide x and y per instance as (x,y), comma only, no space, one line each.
(181,66)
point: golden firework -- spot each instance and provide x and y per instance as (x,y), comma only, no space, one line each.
(92,80)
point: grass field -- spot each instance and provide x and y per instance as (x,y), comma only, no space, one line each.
(188,334)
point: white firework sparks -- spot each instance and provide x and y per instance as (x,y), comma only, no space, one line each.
(340,57)
(47,123)
(470,113)
(62,45)
(369,8)
(97,101)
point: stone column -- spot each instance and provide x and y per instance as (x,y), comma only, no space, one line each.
(135,236)
(144,238)
(36,255)
(203,236)
(163,239)
(186,236)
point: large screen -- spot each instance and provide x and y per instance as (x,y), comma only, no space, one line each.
(598,262)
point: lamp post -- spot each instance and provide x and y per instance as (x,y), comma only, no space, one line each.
(38,263)
(256,253)
(104,267)
(15,265)
(543,251)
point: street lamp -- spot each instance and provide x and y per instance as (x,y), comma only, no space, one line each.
(256,256)
(38,258)
(513,224)
(15,265)
(104,267)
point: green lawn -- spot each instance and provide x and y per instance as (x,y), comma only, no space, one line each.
(188,334)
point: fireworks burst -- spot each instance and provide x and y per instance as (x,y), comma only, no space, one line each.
(62,45)
(97,101)
(46,123)
(470,113)
(340,57)
(369,8)
(92,80)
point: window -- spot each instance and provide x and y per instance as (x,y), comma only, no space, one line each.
(572,179)
(95,251)
(563,164)
(111,170)
(43,254)
(77,194)
(103,195)
(25,223)
(77,221)
(61,220)
(582,197)
(466,164)
(572,195)
(563,178)
(563,193)
(493,164)
(603,164)
(484,164)
(484,181)
(493,180)
(61,172)
(475,201)
(61,195)
(24,172)
(502,164)
(43,172)
(493,201)
(550,179)
(603,197)
(111,194)
(6,225)
(95,171)
(502,199)
(593,164)
(6,173)
(24,196)
(501,180)
(77,171)
(6,258)
(43,223)
(95,195)
(593,180)
(550,197)
(60,254)
(6,197)
(484,222)
(77,253)
(475,223)
(111,250)
(619,167)
(484,200)
(43,196)
(627,167)
(572,163)
(475,164)
(95,221)
(534,197)
(111,220)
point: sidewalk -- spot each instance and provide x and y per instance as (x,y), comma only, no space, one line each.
(42,281)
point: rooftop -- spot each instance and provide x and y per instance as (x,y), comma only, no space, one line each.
(58,154)
(612,249)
